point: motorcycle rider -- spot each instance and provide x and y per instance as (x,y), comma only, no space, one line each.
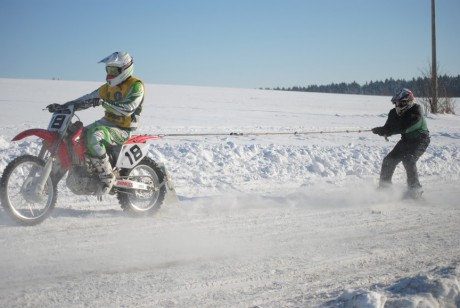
(121,97)
(406,119)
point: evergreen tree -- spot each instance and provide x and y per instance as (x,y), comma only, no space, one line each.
(451,86)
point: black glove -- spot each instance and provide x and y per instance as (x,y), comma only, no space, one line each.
(94,102)
(97,102)
(378,130)
(53,107)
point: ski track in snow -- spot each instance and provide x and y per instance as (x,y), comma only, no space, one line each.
(290,221)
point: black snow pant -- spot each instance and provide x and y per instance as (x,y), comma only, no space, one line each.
(408,152)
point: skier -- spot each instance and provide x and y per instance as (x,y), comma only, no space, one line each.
(406,119)
(121,97)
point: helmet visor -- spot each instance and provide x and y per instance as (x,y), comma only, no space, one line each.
(113,70)
(401,103)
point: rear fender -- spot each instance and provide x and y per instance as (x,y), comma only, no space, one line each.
(141,139)
(49,141)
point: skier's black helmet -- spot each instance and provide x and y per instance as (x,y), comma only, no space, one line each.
(402,97)
(403,100)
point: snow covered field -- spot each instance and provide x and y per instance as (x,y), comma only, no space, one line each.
(263,221)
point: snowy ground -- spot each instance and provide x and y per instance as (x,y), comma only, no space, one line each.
(263,221)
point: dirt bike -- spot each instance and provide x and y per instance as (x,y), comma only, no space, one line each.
(28,187)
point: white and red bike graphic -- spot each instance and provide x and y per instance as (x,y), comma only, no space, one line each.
(28,187)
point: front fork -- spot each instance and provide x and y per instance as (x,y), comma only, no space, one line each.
(41,182)
(46,171)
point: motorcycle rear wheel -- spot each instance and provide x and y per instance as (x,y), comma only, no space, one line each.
(141,203)
(17,191)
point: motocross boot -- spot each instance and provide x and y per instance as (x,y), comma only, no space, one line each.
(104,171)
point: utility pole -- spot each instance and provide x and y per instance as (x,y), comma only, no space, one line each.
(434,74)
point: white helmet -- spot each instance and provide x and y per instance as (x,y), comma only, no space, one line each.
(119,67)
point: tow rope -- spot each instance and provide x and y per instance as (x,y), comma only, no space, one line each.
(264,133)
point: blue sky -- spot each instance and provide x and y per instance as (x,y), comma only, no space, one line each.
(229,43)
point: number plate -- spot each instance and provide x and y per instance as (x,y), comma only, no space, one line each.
(59,122)
(131,154)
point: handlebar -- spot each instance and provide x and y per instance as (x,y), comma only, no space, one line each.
(78,105)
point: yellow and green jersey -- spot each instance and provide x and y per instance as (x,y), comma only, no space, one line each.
(122,103)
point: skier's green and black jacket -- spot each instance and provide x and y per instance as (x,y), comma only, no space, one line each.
(411,124)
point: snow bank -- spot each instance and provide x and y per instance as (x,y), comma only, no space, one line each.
(199,167)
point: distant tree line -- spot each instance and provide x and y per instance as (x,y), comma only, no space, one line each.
(450,87)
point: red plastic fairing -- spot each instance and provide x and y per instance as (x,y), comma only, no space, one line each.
(79,145)
(141,139)
(48,136)
(50,139)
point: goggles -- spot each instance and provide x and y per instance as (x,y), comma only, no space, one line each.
(400,103)
(113,70)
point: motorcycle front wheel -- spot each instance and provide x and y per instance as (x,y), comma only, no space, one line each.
(143,202)
(18,191)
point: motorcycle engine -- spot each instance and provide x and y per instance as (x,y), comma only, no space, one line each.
(81,182)
(82,178)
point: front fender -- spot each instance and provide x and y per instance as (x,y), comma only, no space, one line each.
(50,139)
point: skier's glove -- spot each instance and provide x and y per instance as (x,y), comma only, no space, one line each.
(378,131)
